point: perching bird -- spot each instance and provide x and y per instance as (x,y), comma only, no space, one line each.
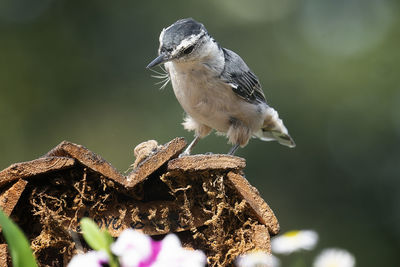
(216,88)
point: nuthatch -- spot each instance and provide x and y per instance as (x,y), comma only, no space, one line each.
(216,88)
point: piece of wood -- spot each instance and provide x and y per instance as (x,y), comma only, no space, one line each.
(155,161)
(89,159)
(261,239)
(4,255)
(10,197)
(157,206)
(207,162)
(261,209)
(33,168)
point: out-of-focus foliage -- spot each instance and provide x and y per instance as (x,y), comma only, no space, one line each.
(98,239)
(18,245)
(75,70)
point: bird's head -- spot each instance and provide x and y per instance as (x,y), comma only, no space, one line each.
(185,40)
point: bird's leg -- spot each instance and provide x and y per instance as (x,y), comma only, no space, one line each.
(188,150)
(233,149)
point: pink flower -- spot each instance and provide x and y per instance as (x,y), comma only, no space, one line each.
(135,249)
(173,255)
(89,259)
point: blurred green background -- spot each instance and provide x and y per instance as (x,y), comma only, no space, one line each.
(75,70)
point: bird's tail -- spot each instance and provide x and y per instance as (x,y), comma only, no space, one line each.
(274,129)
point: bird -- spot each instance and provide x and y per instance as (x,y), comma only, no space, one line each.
(216,89)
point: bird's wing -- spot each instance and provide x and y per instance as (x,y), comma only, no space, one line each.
(242,80)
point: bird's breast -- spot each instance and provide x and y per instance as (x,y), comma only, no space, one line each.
(205,97)
(194,85)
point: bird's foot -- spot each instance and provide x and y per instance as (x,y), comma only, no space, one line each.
(184,154)
(233,150)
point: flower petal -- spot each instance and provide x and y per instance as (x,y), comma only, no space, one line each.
(334,257)
(89,259)
(293,241)
(132,247)
(255,259)
(173,255)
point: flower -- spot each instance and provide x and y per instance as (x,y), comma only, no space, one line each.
(334,257)
(257,259)
(89,259)
(173,255)
(293,241)
(135,249)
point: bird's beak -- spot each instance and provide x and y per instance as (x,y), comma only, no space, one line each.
(157,61)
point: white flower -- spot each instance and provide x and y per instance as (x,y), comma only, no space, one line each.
(132,247)
(257,259)
(173,255)
(89,259)
(293,241)
(334,257)
(136,249)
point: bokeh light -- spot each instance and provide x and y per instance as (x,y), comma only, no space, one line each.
(256,10)
(19,11)
(346,27)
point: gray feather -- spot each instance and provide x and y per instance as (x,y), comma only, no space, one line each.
(242,80)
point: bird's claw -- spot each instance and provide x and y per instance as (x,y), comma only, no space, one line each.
(184,154)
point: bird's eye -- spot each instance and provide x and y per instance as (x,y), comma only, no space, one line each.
(188,50)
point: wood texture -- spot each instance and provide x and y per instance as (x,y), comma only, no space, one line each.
(87,158)
(207,162)
(261,238)
(33,168)
(10,197)
(261,209)
(4,255)
(205,198)
(155,161)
